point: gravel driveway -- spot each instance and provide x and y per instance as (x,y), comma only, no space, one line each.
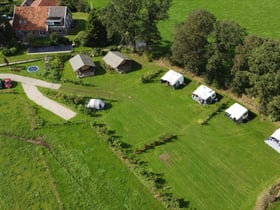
(30,88)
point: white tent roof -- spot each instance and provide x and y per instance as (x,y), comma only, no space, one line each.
(204,92)
(95,104)
(173,77)
(236,111)
(276,134)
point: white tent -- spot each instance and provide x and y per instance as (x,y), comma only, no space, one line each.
(204,94)
(237,112)
(173,78)
(276,134)
(274,140)
(95,104)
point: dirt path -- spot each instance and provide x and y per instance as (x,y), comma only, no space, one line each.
(30,88)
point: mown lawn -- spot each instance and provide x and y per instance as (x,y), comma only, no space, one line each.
(221,165)
(79,172)
(258,17)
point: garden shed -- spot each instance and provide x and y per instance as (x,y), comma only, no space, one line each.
(204,95)
(117,61)
(237,112)
(95,104)
(173,78)
(82,65)
(274,140)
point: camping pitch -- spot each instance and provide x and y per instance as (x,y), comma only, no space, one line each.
(95,104)
(204,95)
(237,113)
(274,140)
(173,79)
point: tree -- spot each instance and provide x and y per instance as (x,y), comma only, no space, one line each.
(227,36)
(7,33)
(273,108)
(135,20)
(240,71)
(189,48)
(96,31)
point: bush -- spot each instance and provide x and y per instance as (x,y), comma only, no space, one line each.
(9,51)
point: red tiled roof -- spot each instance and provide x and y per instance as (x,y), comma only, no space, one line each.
(30,18)
(37,3)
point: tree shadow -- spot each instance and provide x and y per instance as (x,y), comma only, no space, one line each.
(99,69)
(162,50)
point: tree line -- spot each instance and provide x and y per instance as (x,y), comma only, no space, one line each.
(228,57)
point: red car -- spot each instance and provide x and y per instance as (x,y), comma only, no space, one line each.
(8,83)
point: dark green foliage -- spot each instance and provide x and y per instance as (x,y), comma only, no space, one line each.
(135,20)
(273,108)
(7,34)
(189,48)
(96,34)
(227,36)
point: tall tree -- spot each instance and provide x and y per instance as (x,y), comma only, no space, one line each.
(189,48)
(135,20)
(7,33)
(96,31)
(240,71)
(228,35)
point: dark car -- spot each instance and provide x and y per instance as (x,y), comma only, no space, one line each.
(1,84)
(8,83)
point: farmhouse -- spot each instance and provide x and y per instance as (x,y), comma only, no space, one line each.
(274,140)
(82,65)
(117,61)
(95,104)
(40,18)
(204,95)
(173,79)
(237,113)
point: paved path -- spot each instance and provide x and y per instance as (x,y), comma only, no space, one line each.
(30,88)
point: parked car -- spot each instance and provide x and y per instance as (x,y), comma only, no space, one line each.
(1,84)
(8,83)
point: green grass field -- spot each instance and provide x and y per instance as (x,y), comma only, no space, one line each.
(258,17)
(220,165)
(211,166)
(81,172)
(214,166)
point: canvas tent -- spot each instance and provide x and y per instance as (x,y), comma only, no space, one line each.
(237,112)
(274,140)
(204,95)
(82,65)
(173,78)
(95,104)
(117,61)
